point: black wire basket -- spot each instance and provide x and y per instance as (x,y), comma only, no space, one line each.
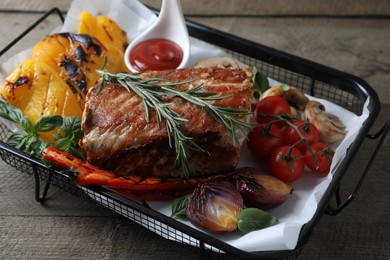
(317,80)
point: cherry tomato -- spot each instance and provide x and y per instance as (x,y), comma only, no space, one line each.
(263,139)
(307,129)
(324,155)
(271,106)
(284,166)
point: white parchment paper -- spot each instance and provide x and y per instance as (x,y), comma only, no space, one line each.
(133,17)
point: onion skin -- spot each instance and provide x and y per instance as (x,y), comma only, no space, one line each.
(215,207)
(262,191)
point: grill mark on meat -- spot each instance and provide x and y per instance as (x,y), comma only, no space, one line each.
(118,138)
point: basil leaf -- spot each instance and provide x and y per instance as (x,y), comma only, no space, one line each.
(68,145)
(251,219)
(179,207)
(10,112)
(63,144)
(57,136)
(28,142)
(71,127)
(30,139)
(38,147)
(260,81)
(48,123)
(76,152)
(27,125)
(17,139)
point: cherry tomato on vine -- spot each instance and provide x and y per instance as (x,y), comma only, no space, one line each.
(324,155)
(308,131)
(286,166)
(271,106)
(263,139)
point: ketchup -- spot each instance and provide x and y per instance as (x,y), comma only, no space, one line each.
(156,54)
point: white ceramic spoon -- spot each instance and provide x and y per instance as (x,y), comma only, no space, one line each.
(170,25)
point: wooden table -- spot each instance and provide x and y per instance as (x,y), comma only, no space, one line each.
(350,35)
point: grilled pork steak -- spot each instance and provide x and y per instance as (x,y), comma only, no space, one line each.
(117,136)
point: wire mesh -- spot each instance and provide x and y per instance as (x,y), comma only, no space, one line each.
(64,181)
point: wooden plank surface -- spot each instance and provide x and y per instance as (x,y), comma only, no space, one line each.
(66,227)
(280,7)
(33,6)
(237,7)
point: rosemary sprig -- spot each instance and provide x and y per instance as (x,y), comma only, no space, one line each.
(154,93)
(224,115)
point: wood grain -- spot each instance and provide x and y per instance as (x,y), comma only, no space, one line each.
(237,7)
(352,36)
(33,6)
(280,7)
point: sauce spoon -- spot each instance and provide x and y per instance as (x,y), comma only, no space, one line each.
(170,25)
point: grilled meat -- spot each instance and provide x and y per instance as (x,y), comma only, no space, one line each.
(118,138)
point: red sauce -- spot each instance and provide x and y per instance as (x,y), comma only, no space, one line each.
(156,54)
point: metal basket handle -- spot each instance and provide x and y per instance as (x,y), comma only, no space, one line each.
(340,205)
(31,27)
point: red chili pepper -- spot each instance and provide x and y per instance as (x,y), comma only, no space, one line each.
(89,174)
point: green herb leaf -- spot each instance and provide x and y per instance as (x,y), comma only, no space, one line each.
(72,133)
(179,207)
(57,136)
(251,219)
(48,123)
(28,138)
(67,145)
(63,144)
(31,138)
(10,112)
(76,152)
(28,142)
(105,62)
(99,87)
(260,81)
(71,126)
(38,147)
(17,139)
(27,125)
